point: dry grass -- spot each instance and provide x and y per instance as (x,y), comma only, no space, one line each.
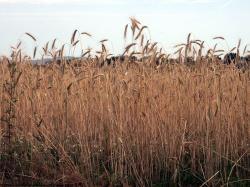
(133,125)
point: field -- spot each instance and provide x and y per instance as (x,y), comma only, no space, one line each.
(151,122)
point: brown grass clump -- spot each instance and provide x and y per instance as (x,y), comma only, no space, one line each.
(138,124)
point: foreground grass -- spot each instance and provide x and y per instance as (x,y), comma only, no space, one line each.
(133,125)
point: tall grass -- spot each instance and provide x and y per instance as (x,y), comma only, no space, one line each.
(137,124)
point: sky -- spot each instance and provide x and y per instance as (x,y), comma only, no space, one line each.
(169,21)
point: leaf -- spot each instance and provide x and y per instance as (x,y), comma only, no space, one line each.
(86,33)
(31,36)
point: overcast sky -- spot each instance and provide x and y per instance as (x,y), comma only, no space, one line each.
(169,21)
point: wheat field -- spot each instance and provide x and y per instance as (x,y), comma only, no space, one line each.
(138,123)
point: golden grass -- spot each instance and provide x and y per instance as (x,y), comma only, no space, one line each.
(131,125)
(138,124)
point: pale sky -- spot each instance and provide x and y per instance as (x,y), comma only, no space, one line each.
(169,21)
